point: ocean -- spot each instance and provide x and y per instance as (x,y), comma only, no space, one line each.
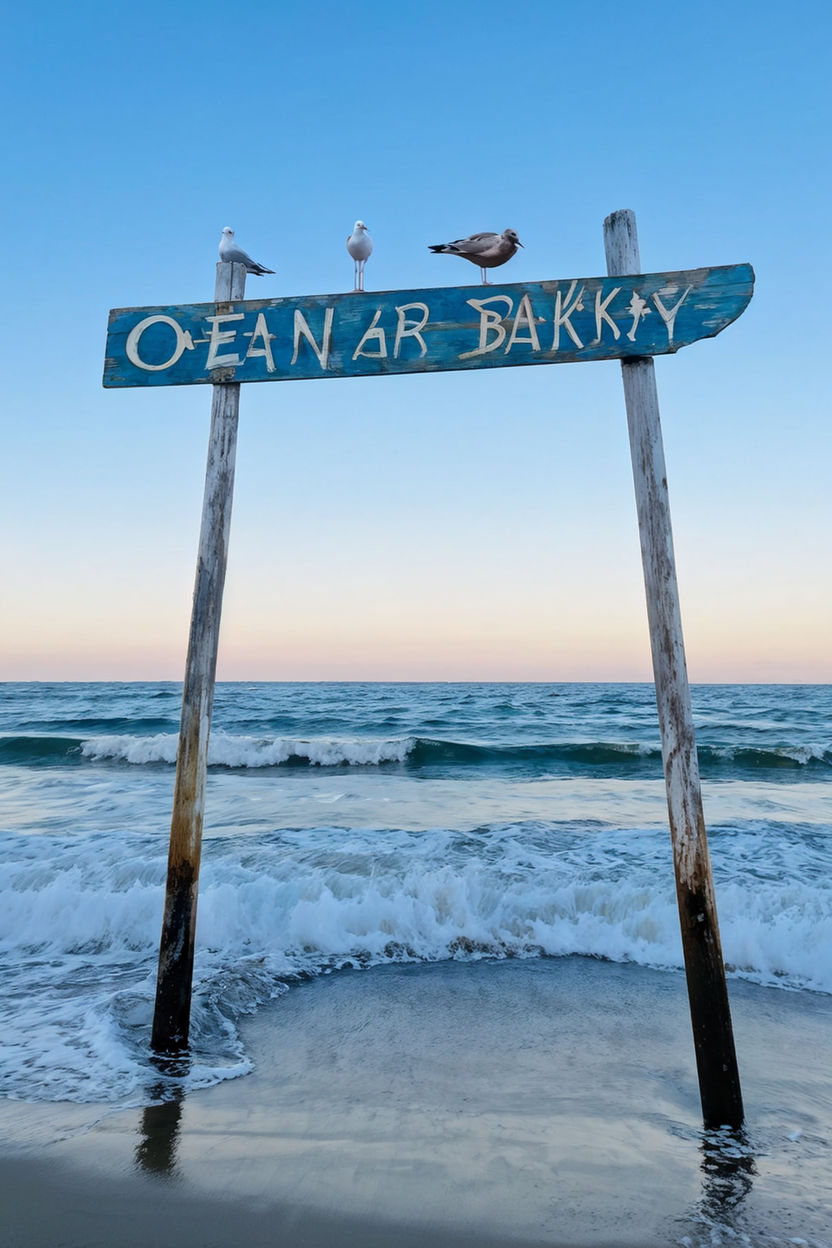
(354,825)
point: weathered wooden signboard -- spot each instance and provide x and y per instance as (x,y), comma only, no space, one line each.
(364,335)
(629,316)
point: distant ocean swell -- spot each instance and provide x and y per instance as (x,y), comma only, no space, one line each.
(241,752)
(294,904)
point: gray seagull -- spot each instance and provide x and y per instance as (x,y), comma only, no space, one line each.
(487,250)
(232,253)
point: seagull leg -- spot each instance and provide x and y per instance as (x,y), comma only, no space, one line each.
(485,280)
(360,274)
(355,285)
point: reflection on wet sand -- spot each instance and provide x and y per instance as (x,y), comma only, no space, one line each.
(160,1122)
(728,1169)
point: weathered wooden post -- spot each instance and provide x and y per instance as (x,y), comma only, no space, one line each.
(719,1083)
(171,1019)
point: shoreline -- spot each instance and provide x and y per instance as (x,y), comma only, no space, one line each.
(526,1102)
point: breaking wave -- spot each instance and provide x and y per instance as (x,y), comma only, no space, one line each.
(302,902)
(413,752)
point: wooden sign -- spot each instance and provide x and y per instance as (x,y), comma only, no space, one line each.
(421,331)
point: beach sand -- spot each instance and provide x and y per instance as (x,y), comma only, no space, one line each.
(525,1102)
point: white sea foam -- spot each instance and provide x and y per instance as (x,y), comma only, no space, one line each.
(227,750)
(79,925)
(243,751)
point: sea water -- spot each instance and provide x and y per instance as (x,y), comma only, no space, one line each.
(352,825)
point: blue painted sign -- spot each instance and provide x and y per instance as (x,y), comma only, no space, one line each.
(421,331)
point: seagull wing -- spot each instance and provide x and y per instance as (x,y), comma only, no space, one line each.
(233,253)
(237,256)
(475,244)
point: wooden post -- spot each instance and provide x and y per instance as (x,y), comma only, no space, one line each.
(719,1083)
(171,1019)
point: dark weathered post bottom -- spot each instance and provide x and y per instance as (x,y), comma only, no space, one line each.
(710,1010)
(171,1018)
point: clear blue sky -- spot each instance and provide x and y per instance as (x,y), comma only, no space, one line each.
(451,526)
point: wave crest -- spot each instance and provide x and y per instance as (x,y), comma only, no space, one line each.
(225,750)
(414,752)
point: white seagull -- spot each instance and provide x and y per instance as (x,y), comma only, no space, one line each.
(232,253)
(487,250)
(360,247)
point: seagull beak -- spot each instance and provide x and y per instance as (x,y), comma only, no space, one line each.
(519,244)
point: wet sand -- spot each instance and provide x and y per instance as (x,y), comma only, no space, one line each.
(548,1101)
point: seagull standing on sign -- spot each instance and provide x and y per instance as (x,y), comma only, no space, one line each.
(360,247)
(487,250)
(232,253)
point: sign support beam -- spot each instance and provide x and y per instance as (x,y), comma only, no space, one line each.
(719,1082)
(171,1019)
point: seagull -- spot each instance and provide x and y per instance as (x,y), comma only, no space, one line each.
(486,250)
(360,247)
(232,253)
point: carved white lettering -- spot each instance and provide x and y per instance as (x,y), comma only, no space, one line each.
(183,341)
(669,316)
(638,309)
(525,316)
(563,310)
(302,329)
(490,321)
(411,328)
(219,337)
(373,333)
(601,313)
(261,331)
